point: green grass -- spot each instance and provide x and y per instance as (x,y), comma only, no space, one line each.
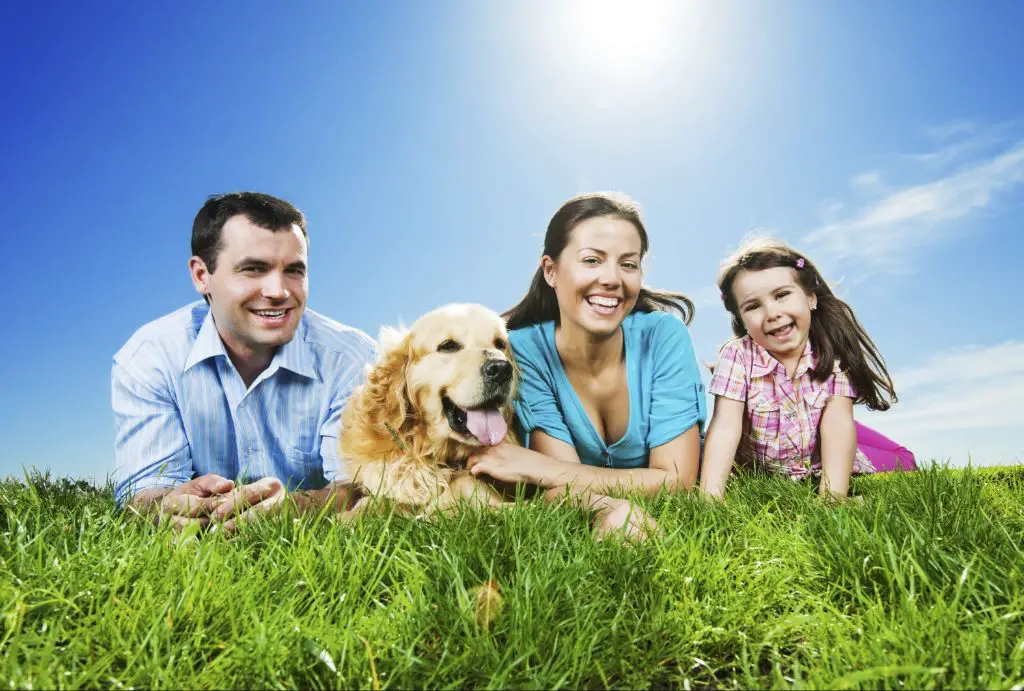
(919,587)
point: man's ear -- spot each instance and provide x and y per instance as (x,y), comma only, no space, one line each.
(200,276)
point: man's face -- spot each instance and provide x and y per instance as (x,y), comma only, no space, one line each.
(258,290)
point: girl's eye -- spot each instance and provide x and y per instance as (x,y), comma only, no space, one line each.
(449,346)
(749,308)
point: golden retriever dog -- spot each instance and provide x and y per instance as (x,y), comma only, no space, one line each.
(440,391)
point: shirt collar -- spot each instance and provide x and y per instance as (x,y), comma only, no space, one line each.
(293,355)
(207,343)
(764,364)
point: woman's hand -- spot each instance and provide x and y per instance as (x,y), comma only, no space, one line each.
(509,463)
(619,517)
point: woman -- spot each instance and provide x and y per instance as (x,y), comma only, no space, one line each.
(610,395)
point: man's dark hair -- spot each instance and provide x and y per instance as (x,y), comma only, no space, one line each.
(261,209)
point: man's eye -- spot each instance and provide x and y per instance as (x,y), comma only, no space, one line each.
(297,272)
(449,346)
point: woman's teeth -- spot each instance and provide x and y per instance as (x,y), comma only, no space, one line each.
(608,303)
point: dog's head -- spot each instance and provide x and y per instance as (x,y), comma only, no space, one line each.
(447,384)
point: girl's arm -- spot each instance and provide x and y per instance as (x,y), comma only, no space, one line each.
(720,445)
(553,464)
(838,439)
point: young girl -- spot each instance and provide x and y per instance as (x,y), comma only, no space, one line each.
(785,388)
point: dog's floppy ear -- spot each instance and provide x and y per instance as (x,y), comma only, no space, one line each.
(387,402)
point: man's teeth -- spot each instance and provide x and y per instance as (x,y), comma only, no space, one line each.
(603,302)
(268,313)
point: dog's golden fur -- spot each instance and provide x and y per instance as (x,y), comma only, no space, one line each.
(396,437)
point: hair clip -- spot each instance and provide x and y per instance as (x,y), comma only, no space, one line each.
(800,263)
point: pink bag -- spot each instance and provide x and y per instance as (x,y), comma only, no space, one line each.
(885,454)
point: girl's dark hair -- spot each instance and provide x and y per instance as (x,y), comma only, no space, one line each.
(835,332)
(540,303)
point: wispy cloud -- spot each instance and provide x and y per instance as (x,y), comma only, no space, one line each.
(884,229)
(871,178)
(950,129)
(967,401)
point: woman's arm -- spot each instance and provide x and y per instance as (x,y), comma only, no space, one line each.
(838,446)
(553,464)
(720,445)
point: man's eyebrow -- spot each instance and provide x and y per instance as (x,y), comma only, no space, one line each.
(251,261)
(297,265)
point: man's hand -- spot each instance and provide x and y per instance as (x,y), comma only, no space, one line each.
(263,497)
(189,503)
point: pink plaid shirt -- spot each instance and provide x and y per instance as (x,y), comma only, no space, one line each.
(783,413)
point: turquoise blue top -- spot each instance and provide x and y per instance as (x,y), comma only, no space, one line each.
(666,396)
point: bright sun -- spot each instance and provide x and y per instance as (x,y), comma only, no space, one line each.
(625,36)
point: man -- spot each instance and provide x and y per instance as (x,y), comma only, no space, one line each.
(245,384)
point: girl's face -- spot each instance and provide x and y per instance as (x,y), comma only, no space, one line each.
(775,310)
(598,275)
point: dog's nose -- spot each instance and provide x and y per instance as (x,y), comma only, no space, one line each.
(497,371)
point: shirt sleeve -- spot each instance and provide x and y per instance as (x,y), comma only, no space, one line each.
(730,376)
(350,373)
(677,394)
(841,384)
(150,446)
(536,403)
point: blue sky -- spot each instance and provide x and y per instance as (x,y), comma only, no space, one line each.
(429,144)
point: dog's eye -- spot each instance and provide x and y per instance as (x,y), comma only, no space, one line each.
(449,346)
(499,344)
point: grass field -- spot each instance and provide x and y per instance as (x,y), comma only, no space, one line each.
(922,586)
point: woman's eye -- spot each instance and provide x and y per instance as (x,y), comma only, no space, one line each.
(449,346)
(590,260)
(631,266)
(782,294)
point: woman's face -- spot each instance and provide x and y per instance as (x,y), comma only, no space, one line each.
(598,275)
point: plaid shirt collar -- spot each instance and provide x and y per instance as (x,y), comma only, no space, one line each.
(764,364)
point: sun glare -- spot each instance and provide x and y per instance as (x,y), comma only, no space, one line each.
(624,36)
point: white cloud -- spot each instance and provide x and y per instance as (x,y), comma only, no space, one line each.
(967,402)
(950,129)
(918,215)
(871,178)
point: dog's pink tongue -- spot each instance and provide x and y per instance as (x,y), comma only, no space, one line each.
(487,425)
